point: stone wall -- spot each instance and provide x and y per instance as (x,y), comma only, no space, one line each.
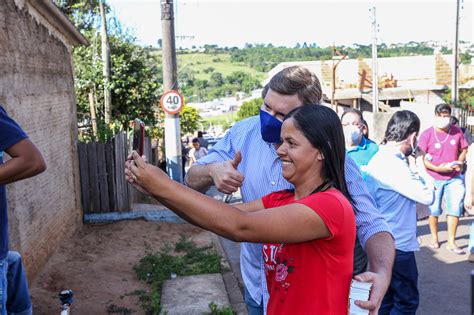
(37,89)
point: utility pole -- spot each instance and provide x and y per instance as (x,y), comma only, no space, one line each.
(170,82)
(375,81)
(106,65)
(454,85)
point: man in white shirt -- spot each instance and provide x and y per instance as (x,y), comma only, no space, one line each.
(196,152)
(396,189)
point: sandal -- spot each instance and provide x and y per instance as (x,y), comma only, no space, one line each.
(434,245)
(456,250)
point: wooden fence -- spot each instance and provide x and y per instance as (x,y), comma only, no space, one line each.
(103,185)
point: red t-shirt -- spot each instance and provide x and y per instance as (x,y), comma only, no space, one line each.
(312,277)
(443,147)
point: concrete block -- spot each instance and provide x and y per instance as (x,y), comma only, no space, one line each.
(192,294)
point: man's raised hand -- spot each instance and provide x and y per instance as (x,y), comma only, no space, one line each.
(225,176)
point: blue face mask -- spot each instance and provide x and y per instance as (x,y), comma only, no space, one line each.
(270,127)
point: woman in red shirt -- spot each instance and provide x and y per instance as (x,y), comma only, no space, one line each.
(308,233)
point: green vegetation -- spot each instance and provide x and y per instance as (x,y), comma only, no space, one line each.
(465,99)
(155,268)
(249,109)
(136,78)
(205,74)
(201,63)
(227,310)
(224,120)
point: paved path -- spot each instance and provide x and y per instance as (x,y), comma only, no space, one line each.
(444,277)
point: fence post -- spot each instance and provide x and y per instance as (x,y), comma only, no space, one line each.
(84,177)
(93,175)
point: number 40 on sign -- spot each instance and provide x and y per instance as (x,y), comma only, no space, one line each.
(172,102)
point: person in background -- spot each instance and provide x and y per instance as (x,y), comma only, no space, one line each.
(365,129)
(308,232)
(358,147)
(201,139)
(468,197)
(467,134)
(444,150)
(26,161)
(196,152)
(396,189)
(258,138)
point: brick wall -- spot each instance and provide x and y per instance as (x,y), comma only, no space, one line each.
(37,89)
(443,71)
(363,67)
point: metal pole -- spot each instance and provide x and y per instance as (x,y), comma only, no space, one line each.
(173,152)
(375,81)
(454,86)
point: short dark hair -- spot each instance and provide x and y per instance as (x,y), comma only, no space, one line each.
(402,124)
(199,134)
(442,108)
(354,111)
(322,127)
(296,80)
(195,140)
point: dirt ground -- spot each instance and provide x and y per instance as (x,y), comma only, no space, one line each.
(97,264)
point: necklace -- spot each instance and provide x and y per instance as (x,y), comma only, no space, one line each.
(438,142)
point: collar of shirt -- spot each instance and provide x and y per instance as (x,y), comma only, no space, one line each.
(392,150)
(361,146)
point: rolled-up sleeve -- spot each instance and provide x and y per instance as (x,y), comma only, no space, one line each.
(369,221)
(221,151)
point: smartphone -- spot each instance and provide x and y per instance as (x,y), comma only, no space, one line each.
(138,136)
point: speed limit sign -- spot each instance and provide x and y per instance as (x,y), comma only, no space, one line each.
(172,102)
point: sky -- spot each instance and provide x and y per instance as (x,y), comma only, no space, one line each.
(285,23)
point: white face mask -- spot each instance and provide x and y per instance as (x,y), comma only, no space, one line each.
(352,133)
(441,122)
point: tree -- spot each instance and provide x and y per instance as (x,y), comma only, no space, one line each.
(216,79)
(135,75)
(189,119)
(249,109)
(83,13)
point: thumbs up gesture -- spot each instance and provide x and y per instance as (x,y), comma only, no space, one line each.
(225,176)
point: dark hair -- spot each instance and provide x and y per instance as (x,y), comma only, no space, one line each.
(453,120)
(195,140)
(402,124)
(322,127)
(296,80)
(364,122)
(354,111)
(442,109)
(199,134)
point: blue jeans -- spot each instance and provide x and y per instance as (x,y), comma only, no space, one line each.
(14,293)
(402,296)
(252,307)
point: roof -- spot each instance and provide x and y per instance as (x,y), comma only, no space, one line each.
(57,19)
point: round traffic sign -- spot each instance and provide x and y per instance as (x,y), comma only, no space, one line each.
(172,102)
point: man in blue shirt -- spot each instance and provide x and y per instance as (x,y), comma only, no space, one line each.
(26,161)
(248,151)
(358,147)
(396,189)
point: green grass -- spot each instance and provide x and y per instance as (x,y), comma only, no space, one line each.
(220,62)
(155,268)
(225,120)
